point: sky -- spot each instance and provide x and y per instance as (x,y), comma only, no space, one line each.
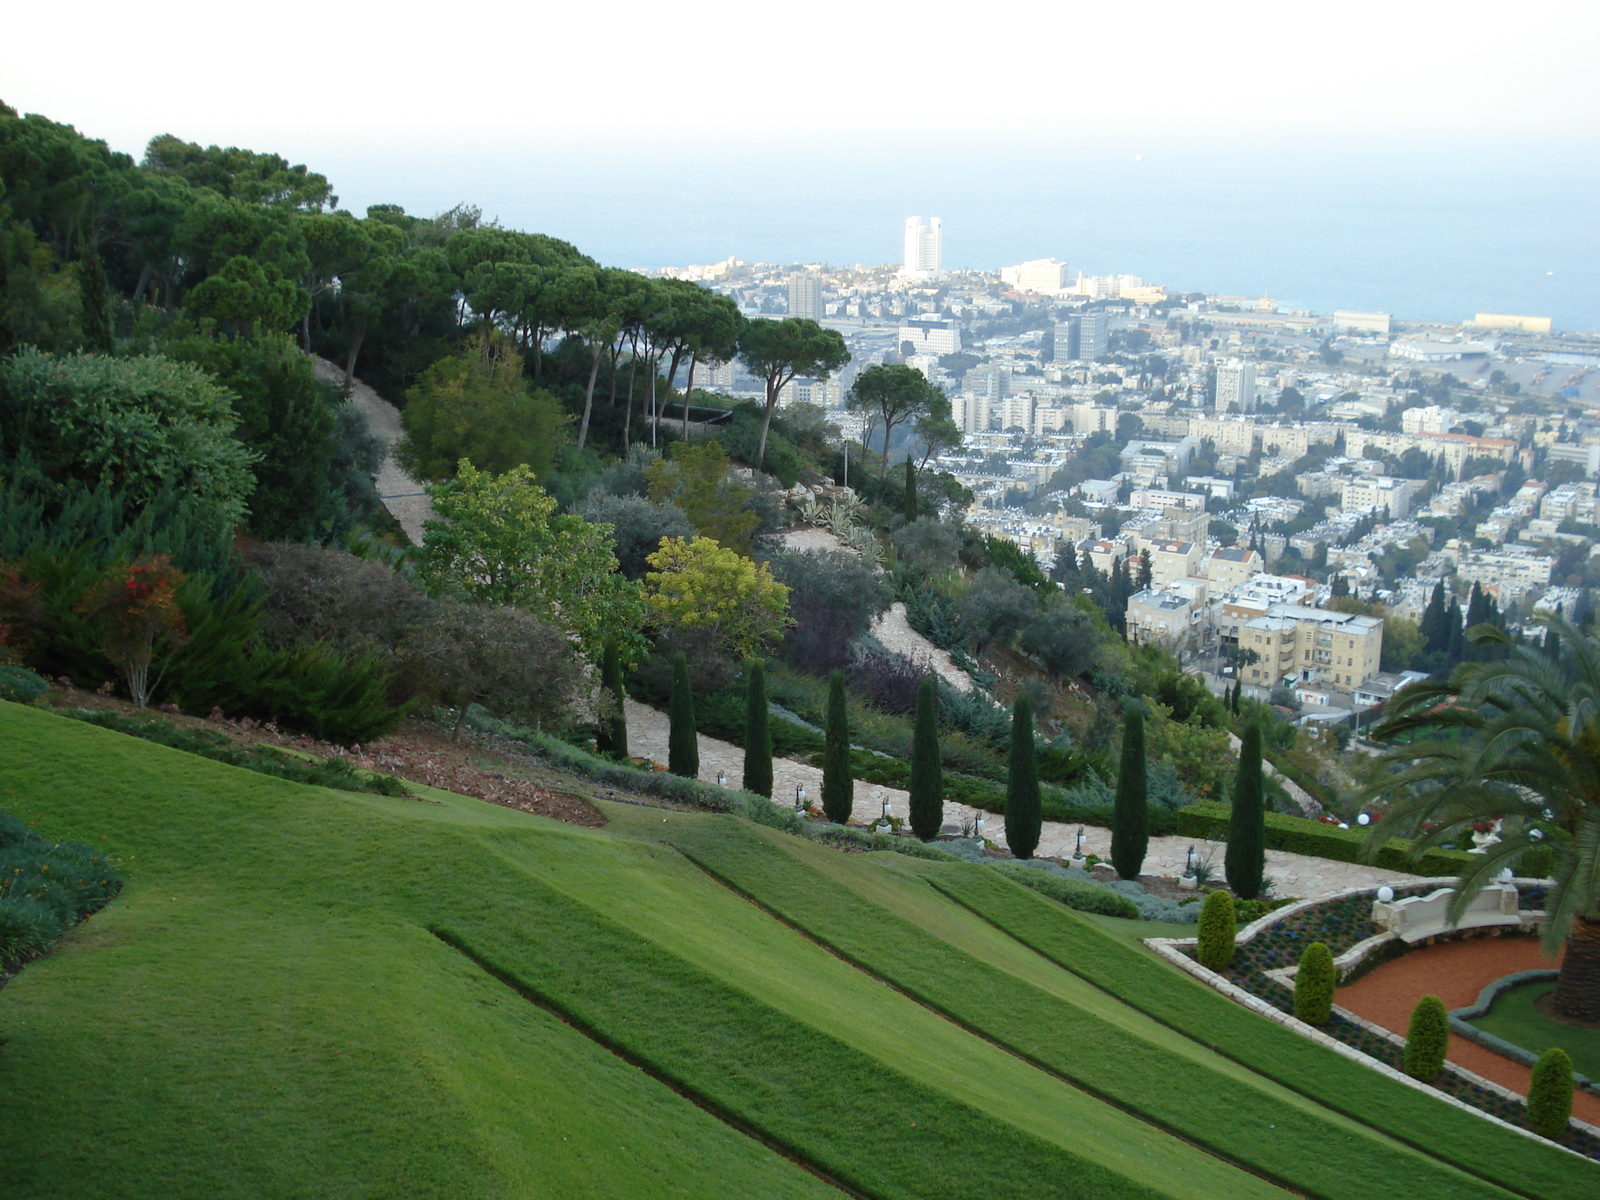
(550,117)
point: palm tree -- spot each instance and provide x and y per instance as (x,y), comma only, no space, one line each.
(1516,739)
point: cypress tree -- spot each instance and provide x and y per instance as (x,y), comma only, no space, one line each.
(612,735)
(1130,818)
(1435,633)
(1215,934)
(94,297)
(683,746)
(1456,632)
(1427,1039)
(1023,814)
(1314,985)
(757,741)
(838,789)
(1245,861)
(927,779)
(911,492)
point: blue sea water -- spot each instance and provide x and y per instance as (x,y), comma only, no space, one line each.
(1429,232)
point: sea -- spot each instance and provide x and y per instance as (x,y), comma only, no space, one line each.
(1438,230)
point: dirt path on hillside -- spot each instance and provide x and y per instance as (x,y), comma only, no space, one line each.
(405,498)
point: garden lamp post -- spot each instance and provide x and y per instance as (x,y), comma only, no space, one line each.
(799,797)
(722,779)
(1188,861)
(883,822)
(1078,850)
(977,827)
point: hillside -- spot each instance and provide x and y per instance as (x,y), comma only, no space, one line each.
(306,992)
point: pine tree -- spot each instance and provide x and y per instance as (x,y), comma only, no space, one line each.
(911,492)
(1245,861)
(1130,819)
(838,789)
(757,741)
(612,735)
(1023,812)
(683,745)
(927,779)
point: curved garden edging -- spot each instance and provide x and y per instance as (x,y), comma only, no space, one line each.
(1461,1023)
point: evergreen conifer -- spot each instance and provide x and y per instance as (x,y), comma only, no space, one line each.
(612,735)
(1023,808)
(927,779)
(683,745)
(1245,861)
(1550,1093)
(911,492)
(757,741)
(838,789)
(1130,819)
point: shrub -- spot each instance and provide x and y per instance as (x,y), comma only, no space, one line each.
(321,594)
(638,526)
(1085,897)
(1300,835)
(833,597)
(46,888)
(838,787)
(866,839)
(1550,1093)
(996,607)
(1245,859)
(886,681)
(1130,828)
(1214,945)
(27,926)
(1314,984)
(1062,637)
(757,738)
(1023,811)
(1427,1039)
(927,793)
(683,743)
(611,735)
(20,685)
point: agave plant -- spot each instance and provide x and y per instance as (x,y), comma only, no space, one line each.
(1516,739)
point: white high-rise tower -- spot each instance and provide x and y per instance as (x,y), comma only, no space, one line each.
(922,248)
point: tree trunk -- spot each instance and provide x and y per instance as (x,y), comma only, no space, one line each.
(687,392)
(627,415)
(350,360)
(588,396)
(1577,993)
(672,375)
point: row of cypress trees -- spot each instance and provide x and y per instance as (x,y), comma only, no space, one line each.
(1245,863)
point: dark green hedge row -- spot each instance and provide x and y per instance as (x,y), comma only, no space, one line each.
(1300,835)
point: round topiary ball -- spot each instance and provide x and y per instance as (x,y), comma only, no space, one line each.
(1214,946)
(1427,1039)
(1314,984)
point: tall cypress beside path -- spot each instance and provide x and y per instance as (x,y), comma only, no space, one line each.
(1130,819)
(683,745)
(612,735)
(1024,815)
(1245,863)
(838,789)
(757,741)
(927,777)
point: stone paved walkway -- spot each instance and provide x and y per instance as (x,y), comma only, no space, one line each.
(406,499)
(1292,874)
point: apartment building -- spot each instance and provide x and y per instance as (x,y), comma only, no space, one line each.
(1294,644)
(1228,569)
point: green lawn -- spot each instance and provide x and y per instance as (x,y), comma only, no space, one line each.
(303,992)
(1078,943)
(1513,1018)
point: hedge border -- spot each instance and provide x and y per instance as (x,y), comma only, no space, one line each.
(1301,835)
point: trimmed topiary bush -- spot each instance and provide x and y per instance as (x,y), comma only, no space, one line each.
(838,789)
(612,735)
(1314,984)
(1245,860)
(20,685)
(927,784)
(683,744)
(1427,1039)
(1130,828)
(1550,1093)
(1024,816)
(757,735)
(1214,946)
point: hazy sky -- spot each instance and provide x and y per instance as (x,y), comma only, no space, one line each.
(314,79)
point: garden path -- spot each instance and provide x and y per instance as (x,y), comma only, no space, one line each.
(405,498)
(1292,874)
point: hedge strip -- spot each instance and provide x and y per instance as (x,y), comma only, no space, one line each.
(1300,835)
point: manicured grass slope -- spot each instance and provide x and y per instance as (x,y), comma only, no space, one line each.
(1011,995)
(1078,943)
(1514,1019)
(269,1009)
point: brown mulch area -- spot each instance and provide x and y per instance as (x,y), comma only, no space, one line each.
(493,769)
(1456,972)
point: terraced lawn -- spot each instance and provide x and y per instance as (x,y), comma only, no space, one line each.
(303,992)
